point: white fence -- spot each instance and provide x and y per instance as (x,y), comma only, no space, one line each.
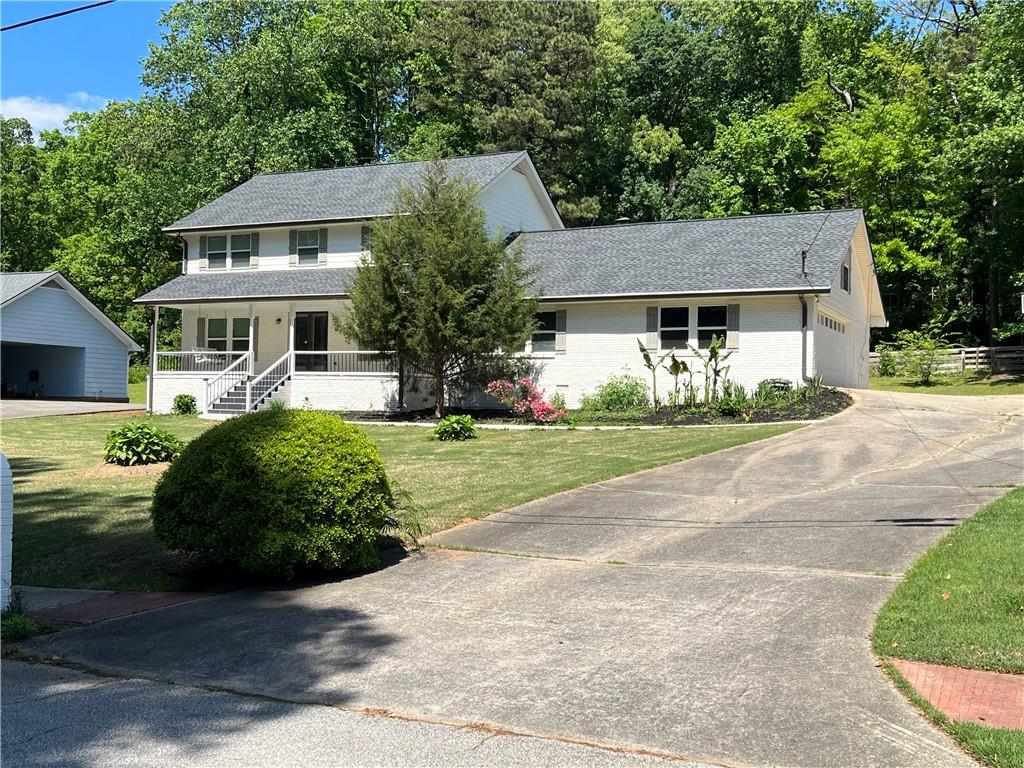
(992,359)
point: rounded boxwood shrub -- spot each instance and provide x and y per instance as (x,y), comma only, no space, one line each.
(139,442)
(275,491)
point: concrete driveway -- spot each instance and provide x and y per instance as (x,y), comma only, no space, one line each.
(716,610)
(23,409)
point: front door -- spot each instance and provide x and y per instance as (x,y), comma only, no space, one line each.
(310,336)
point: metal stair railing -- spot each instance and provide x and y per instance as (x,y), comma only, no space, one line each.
(260,388)
(228,379)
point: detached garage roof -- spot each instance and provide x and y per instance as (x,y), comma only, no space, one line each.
(17,285)
(333,194)
(740,254)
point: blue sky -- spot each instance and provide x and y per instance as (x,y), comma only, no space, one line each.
(79,61)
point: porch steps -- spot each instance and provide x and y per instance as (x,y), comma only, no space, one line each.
(232,402)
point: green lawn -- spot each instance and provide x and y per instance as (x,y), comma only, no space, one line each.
(137,392)
(80,523)
(962,604)
(953,385)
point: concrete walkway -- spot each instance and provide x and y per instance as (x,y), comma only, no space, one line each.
(716,609)
(24,409)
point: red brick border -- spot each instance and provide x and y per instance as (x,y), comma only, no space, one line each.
(994,699)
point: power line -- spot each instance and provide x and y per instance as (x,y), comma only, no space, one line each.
(55,15)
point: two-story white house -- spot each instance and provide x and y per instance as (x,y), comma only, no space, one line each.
(265,267)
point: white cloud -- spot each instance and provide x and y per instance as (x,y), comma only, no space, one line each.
(44,114)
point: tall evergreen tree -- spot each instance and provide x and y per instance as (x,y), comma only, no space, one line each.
(448,300)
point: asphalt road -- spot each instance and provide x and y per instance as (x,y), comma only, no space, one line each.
(717,610)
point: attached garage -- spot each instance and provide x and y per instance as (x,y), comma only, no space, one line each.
(55,343)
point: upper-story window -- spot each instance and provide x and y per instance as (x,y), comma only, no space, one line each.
(711,321)
(844,274)
(241,251)
(674,327)
(308,247)
(219,255)
(217,252)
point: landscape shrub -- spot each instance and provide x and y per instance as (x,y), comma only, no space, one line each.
(275,491)
(454,428)
(526,400)
(619,393)
(920,354)
(733,401)
(137,373)
(139,442)
(886,362)
(184,405)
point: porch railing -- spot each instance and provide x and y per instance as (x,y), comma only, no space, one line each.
(197,361)
(235,374)
(354,361)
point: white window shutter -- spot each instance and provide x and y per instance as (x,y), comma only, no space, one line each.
(293,247)
(560,330)
(652,328)
(202,252)
(254,250)
(732,326)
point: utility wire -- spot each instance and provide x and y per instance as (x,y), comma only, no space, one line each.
(55,15)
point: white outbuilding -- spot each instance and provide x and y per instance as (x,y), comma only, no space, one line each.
(55,343)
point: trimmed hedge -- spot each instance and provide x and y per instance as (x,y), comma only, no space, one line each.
(275,491)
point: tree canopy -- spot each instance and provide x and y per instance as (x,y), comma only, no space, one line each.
(913,111)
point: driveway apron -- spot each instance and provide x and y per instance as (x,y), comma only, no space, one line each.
(717,609)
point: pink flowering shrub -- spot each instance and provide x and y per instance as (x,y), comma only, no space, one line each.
(526,400)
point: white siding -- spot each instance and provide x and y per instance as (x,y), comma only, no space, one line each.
(601,341)
(512,205)
(841,359)
(344,247)
(52,317)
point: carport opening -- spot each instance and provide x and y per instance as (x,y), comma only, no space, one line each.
(41,370)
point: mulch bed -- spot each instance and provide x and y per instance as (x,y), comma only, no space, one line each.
(827,403)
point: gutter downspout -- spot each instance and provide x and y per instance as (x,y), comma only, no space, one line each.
(803,339)
(184,251)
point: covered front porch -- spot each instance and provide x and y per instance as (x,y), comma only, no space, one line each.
(239,356)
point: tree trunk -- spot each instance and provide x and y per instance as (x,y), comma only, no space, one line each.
(439,393)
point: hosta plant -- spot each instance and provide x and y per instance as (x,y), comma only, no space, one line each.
(454,428)
(139,442)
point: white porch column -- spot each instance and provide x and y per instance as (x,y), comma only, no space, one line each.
(252,339)
(152,356)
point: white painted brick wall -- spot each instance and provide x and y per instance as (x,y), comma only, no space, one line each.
(601,341)
(165,387)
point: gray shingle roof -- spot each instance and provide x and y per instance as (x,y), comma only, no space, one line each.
(270,284)
(14,284)
(738,254)
(332,194)
(742,253)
